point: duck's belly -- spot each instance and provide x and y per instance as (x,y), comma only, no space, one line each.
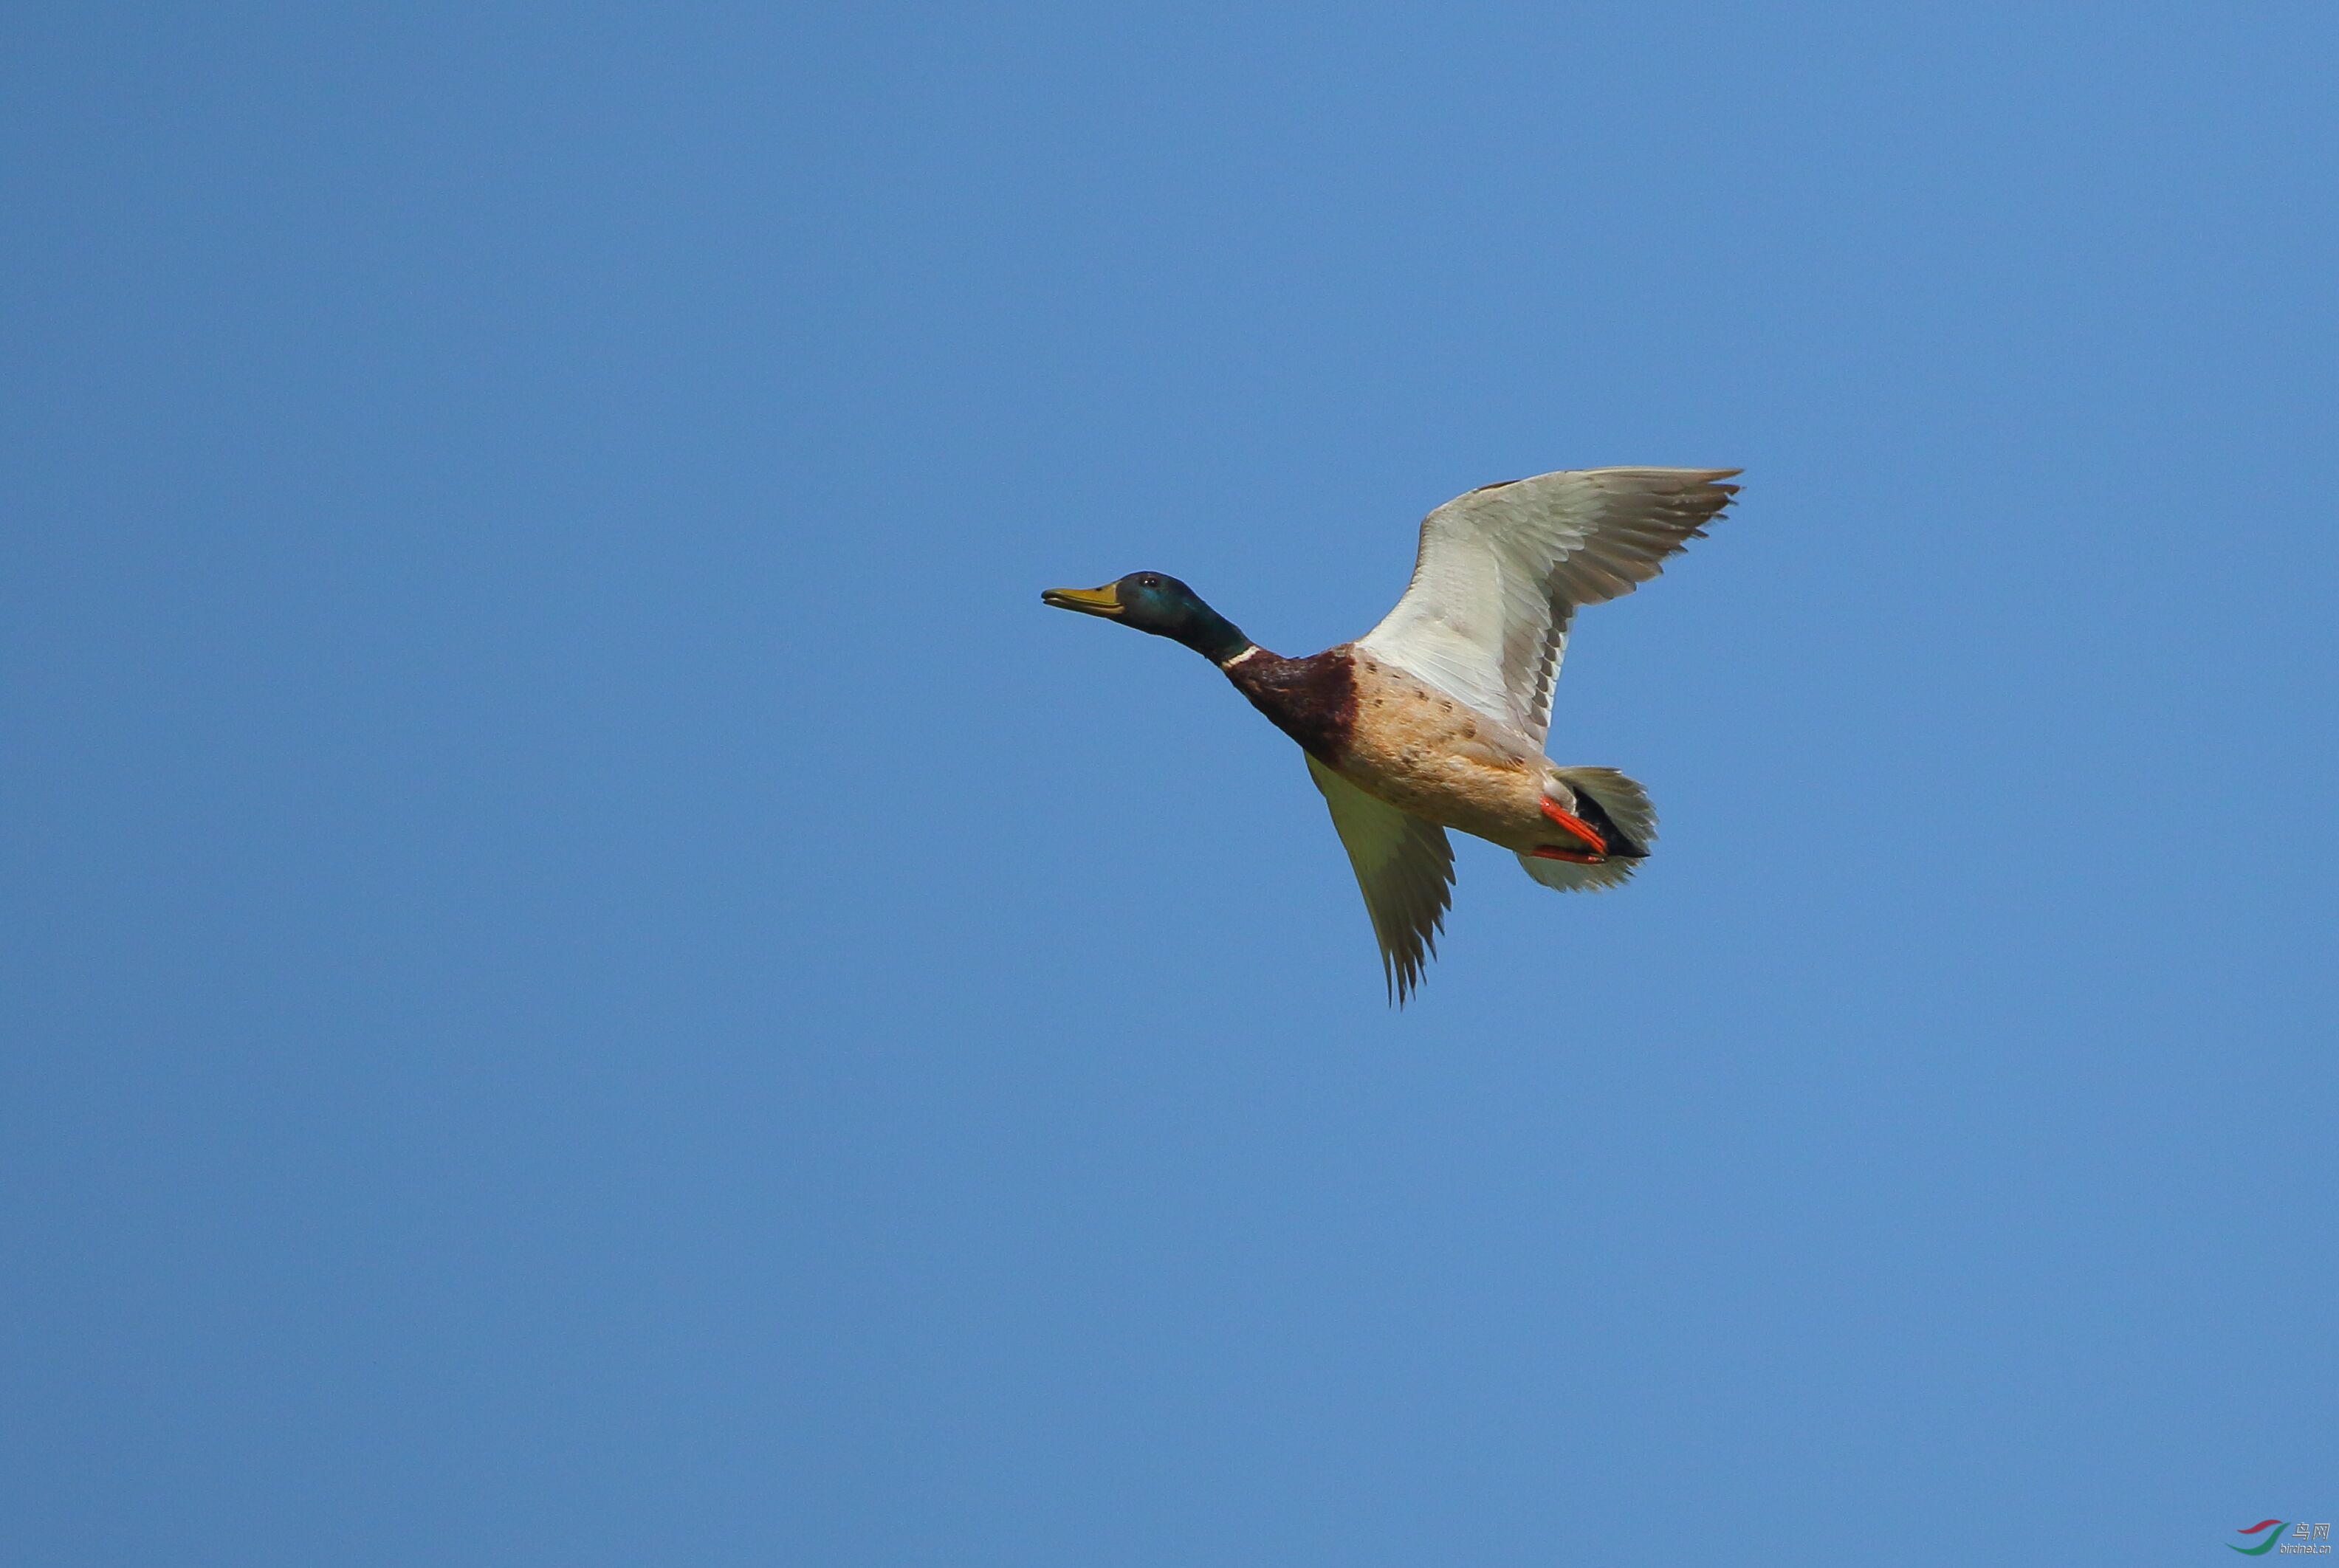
(1435,758)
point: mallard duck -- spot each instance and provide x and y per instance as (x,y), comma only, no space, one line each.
(1434,719)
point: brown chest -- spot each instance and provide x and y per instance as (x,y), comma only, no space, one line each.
(1313,700)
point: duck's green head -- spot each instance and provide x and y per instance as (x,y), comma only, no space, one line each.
(1157,603)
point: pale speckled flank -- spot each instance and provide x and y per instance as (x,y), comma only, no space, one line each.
(1418,748)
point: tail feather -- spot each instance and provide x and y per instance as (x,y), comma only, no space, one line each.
(1616,805)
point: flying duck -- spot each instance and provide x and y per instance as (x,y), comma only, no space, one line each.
(1434,719)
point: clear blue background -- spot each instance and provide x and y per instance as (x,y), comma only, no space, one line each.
(590,978)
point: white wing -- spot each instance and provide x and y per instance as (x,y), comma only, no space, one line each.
(1502,569)
(1404,865)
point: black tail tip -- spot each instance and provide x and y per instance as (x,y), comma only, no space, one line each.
(1619,846)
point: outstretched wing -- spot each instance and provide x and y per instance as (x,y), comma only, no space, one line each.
(1502,570)
(1404,867)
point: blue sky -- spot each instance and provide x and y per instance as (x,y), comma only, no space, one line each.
(590,978)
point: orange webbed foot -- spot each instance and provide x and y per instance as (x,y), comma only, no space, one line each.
(1582,830)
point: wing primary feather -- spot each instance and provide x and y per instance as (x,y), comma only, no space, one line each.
(1500,571)
(1405,869)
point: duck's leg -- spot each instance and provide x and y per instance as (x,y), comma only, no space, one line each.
(1596,850)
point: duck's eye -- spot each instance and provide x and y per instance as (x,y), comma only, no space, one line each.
(1149,581)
